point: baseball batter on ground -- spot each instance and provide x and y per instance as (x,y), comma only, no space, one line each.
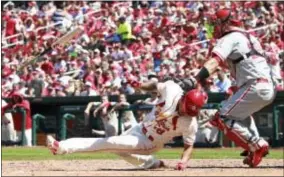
(244,56)
(175,115)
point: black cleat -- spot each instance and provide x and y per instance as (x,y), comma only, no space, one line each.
(244,153)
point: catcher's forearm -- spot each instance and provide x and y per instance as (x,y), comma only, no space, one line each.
(149,86)
(209,67)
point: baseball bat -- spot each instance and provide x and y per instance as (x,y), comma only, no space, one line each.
(61,41)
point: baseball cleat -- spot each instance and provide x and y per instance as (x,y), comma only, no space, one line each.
(53,145)
(254,158)
(244,153)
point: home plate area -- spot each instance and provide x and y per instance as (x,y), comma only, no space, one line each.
(202,167)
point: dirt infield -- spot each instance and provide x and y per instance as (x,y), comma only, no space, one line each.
(268,167)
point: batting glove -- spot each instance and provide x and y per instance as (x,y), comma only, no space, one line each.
(180,166)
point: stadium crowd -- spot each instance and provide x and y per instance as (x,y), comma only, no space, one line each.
(122,40)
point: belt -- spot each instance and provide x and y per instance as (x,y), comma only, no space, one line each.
(144,131)
(252,52)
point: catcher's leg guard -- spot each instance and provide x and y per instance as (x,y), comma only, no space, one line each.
(257,147)
(229,132)
(217,122)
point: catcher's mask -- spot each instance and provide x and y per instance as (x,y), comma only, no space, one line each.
(193,101)
(219,20)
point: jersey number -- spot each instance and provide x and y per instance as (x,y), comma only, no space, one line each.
(161,126)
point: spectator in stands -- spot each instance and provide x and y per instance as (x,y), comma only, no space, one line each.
(124,30)
(102,110)
(151,102)
(88,91)
(223,83)
(126,88)
(37,83)
(22,88)
(127,117)
(30,92)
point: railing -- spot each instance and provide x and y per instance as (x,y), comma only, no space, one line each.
(12,36)
(47,26)
(12,44)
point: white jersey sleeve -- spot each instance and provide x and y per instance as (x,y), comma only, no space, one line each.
(224,47)
(170,93)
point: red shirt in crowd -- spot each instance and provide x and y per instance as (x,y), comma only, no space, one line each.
(6,71)
(47,67)
(11,29)
(10,26)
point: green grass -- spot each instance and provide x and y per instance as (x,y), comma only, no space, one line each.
(42,153)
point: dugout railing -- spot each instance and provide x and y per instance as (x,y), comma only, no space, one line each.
(52,115)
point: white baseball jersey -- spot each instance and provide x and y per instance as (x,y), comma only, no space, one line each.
(167,123)
(234,45)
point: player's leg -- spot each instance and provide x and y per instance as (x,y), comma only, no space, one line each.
(28,136)
(250,123)
(18,136)
(142,161)
(8,131)
(4,132)
(245,102)
(130,143)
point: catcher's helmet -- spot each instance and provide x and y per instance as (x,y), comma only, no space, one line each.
(221,17)
(193,101)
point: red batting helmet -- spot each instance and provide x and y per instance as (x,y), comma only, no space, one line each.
(193,101)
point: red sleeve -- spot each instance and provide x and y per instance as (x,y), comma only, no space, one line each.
(25,104)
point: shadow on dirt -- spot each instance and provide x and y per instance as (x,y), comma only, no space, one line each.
(236,167)
(130,169)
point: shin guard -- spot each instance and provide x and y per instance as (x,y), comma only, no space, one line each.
(230,133)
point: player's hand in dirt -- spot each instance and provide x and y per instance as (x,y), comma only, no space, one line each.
(180,166)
